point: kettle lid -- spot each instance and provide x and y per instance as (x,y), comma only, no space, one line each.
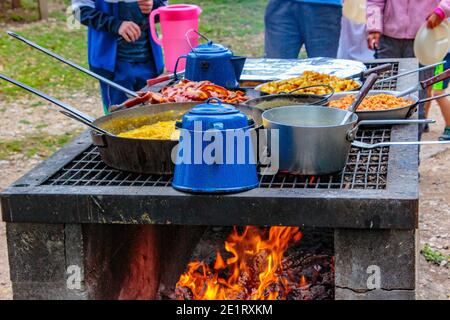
(210,48)
(210,108)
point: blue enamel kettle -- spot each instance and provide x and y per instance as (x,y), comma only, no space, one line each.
(213,62)
(215,152)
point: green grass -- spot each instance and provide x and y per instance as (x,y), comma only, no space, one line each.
(434,256)
(42,145)
(238,24)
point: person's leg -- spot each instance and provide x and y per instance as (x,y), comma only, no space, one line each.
(282,35)
(444,105)
(141,73)
(321,29)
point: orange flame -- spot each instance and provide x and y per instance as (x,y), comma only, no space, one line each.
(252,272)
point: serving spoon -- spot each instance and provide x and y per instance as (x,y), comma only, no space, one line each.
(368,84)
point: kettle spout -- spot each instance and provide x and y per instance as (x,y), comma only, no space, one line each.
(238,65)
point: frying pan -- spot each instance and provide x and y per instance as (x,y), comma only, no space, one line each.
(287,99)
(357,78)
(402,112)
(262,93)
(127,154)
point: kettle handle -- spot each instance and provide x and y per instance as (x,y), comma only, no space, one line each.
(153,27)
(176,66)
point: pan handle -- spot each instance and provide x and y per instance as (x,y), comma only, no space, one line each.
(413,107)
(440,77)
(73,65)
(67,110)
(351,134)
(378,70)
(400,143)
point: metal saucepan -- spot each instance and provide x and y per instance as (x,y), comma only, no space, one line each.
(311,140)
(289,99)
(133,155)
(402,112)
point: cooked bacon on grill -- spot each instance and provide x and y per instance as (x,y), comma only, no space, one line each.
(186,91)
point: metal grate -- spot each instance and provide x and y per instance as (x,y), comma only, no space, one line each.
(365,169)
(387,85)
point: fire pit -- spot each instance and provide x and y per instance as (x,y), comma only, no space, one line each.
(79,229)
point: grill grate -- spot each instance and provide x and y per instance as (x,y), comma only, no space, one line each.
(365,169)
(387,85)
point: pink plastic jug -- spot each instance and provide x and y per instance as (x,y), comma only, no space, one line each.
(176,21)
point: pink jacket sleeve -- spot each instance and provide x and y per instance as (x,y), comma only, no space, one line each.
(445,5)
(375,9)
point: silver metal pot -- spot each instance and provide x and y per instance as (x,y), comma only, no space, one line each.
(311,140)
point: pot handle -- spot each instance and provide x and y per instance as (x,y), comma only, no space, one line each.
(351,134)
(389,144)
(153,27)
(176,65)
(98,139)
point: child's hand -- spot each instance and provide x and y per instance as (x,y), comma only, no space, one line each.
(373,40)
(130,31)
(433,20)
(146,6)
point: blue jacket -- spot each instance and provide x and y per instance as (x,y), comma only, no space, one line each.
(103,24)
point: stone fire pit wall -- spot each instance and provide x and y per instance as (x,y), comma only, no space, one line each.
(79,230)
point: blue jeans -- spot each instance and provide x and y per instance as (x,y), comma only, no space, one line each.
(291,24)
(130,75)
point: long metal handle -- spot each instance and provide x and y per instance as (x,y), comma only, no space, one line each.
(388,144)
(73,65)
(395,122)
(378,70)
(351,134)
(410,72)
(361,95)
(425,83)
(67,109)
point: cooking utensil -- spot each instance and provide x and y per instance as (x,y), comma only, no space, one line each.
(310,139)
(288,99)
(360,97)
(166,77)
(127,154)
(67,109)
(262,93)
(402,112)
(378,70)
(74,65)
(410,72)
(425,83)
(364,145)
(232,167)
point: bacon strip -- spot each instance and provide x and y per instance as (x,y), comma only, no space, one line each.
(186,91)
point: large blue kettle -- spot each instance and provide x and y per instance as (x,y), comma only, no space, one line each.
(215,152)
(213,62)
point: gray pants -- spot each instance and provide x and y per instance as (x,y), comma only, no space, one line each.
(404,48)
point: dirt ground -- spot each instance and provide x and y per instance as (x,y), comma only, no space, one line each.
(434,280)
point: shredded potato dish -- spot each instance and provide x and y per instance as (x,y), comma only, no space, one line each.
(309,78)
(162,130)
(372,103)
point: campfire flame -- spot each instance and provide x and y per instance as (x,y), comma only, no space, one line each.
(253,272)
